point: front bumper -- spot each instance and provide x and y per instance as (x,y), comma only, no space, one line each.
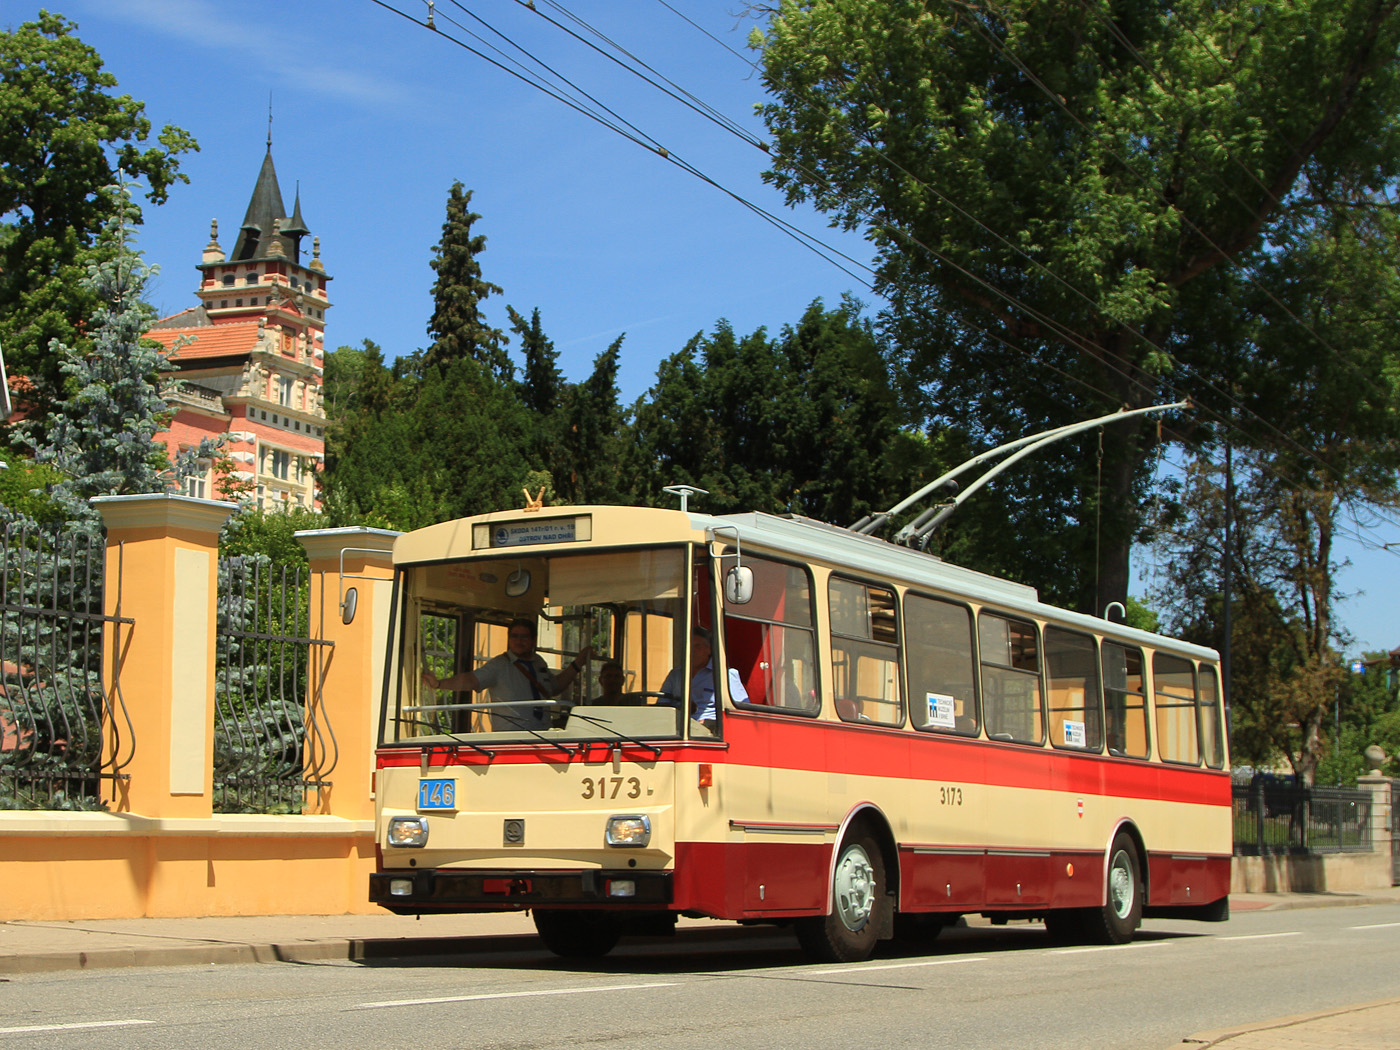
(468,890)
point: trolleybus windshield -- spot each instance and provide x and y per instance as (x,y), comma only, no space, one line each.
(619,617)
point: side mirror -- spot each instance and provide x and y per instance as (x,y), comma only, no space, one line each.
(738,585)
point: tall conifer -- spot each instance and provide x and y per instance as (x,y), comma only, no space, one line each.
(458,328)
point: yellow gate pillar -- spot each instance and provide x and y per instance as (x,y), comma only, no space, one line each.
(351,579)
(162,566)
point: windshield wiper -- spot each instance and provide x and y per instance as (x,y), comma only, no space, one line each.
(451,736)
(603,723)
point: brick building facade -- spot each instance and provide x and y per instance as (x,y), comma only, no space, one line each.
(250,355)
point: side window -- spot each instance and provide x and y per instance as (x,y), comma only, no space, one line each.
(1212,738)
(1011,699)
(942,669)
(1174,699)
(865,653)
(771,641)
(1125,699)
(1075,705)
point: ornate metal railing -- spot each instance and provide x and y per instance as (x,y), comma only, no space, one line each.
(64,738)
(272,743)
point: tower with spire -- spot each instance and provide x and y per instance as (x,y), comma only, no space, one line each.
(250,356)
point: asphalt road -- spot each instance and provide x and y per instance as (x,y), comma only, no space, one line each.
(975,987)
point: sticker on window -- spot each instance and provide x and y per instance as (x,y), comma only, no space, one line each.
(941,711)
(1074,734)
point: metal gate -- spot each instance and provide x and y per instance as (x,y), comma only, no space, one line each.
(1395,832)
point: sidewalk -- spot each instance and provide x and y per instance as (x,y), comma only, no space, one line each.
(35,947)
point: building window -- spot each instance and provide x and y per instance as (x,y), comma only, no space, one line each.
(284,391)
(252,278)
(229,280)
(238,302)
(223,304)
(281,464)
(194,485)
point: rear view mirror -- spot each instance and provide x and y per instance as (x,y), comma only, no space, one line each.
(738,585)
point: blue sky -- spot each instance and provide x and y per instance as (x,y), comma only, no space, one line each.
(374,117)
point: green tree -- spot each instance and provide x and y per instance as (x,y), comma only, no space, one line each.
(541,382)
(424,447)
(102,437)
(66,139)
(458,327)
(592,436)
(1074,203)
(806,423)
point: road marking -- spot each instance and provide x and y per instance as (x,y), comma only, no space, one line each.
(1108,947)
(1260,936)
(1376,926)
(515,995)
(70,1027)
(892,966)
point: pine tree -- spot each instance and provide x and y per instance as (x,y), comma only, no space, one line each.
(539,388)
(594,433)
(102,437)
(458,328)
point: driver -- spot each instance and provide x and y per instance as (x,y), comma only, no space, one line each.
(519,674)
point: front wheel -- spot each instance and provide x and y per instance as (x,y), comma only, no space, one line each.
(1118,918)
(577,934)
(858,902)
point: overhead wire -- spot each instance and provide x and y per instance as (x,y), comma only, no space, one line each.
(637,136)
(1182,367)
(810,242)
(669,87)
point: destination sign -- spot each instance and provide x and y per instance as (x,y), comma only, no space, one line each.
(532,533)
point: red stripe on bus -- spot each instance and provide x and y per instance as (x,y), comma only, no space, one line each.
(814,746)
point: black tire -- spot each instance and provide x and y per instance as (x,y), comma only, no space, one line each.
(577,934)
(858,905)
(1118,918)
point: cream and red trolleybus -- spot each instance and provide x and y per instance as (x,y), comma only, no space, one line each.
(891,742)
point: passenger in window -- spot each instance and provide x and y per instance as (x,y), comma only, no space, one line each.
(517,675)
(610,680)
(703,707)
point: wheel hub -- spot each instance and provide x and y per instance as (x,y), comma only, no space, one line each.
(854,888)
(1120,886)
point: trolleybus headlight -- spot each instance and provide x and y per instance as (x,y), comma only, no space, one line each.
(622,887)
(628,831)
(408,831)
(400,887)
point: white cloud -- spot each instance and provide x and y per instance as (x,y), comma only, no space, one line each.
(279,37)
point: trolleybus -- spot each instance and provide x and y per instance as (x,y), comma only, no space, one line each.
(893,741)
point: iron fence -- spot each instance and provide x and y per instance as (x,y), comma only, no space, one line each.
(272,743)
(1273,818)
(64,739)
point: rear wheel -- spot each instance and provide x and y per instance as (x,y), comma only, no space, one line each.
(850,932)
(577,934)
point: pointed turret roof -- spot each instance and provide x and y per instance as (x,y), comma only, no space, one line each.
(266,220)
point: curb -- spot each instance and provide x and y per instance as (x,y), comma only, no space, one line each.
(329,949)
(1219,1036)
(358,949)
